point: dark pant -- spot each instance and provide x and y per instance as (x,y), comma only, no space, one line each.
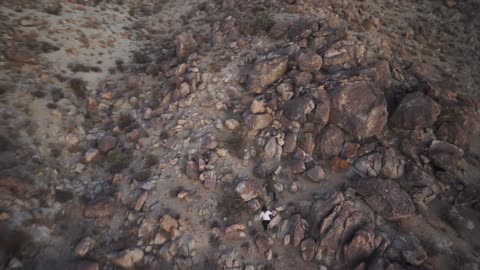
(265,224)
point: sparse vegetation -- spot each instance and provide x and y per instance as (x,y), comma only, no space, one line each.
(262,22)
(79,88)
(117,160)
(141,57)
(230,205)
(150,161)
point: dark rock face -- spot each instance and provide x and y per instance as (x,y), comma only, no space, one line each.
(297,108)
(445,155)
(415,111)
(423,187)
(387,198)
(331,142)
(359,108)
(265,73)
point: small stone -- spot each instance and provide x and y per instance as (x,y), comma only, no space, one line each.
(309,62)
(84,246)
(232,124)
(20,55)
(258,121)
(107,143)
(253,205)
(349,150)
(91,155)
(308,249)
(186,44)
(286,240)
(100,208)
(257,106)
(160,239)
(79,167)
(293,187)
(271,148)
(126,258)
(148,114)
(4,216)
(14,263)
(191,170)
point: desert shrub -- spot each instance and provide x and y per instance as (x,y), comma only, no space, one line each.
(262,22)
(141,57)
(231,205)
(150,161)
(117,160)
(79,88)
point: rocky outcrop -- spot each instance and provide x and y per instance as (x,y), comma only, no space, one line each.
(387,198)
(331,142)
(248,190)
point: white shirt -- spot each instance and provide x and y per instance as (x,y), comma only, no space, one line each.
(265,215)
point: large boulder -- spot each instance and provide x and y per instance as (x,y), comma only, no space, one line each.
(415,111)
(393,163)
(359,108)
(422,186)
(309,62)
(126,258)
(388,199)
(258,121)
(379,74)
(186,44)
(297,230)
(445,155)
(297,108)
(265,73)
(331,142)
(248,189)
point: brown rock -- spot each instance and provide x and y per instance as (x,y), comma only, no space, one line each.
(359,108)
(316,174)
(379,74)
(297,230)
(84,246)
(360,248)
(20,55)
(92,155)
(303,78)
(308,249)
(369,165)
(331,142)
(248,190)
(265,73)
(167,223)
(147,228)
(141,201)
(279,29)
(349,150)
(393,164)
(296,166)
(297,108)
(253,205)
(415,111)
(100,208)
(387,198)
(186,44)
(257,106)
(271,148)
(421,185)
(309,62)
(107,143)
(307,143)
(258,121)
(232,124)
(191,170)
(126,258)
(263,243)
(343,54)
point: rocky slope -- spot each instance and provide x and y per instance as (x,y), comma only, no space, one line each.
(148,134)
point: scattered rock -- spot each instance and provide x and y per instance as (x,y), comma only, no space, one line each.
(296,166)
(20,55)
(232,124)
(349,150)
(308,249)
(100,208)
(167,223)
(297,108)
(107,143)
(257,106)
(445,155)
(140,201)
(92,155)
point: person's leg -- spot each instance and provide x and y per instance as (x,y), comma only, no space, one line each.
(264,224)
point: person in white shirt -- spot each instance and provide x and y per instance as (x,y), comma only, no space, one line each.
(265,215)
